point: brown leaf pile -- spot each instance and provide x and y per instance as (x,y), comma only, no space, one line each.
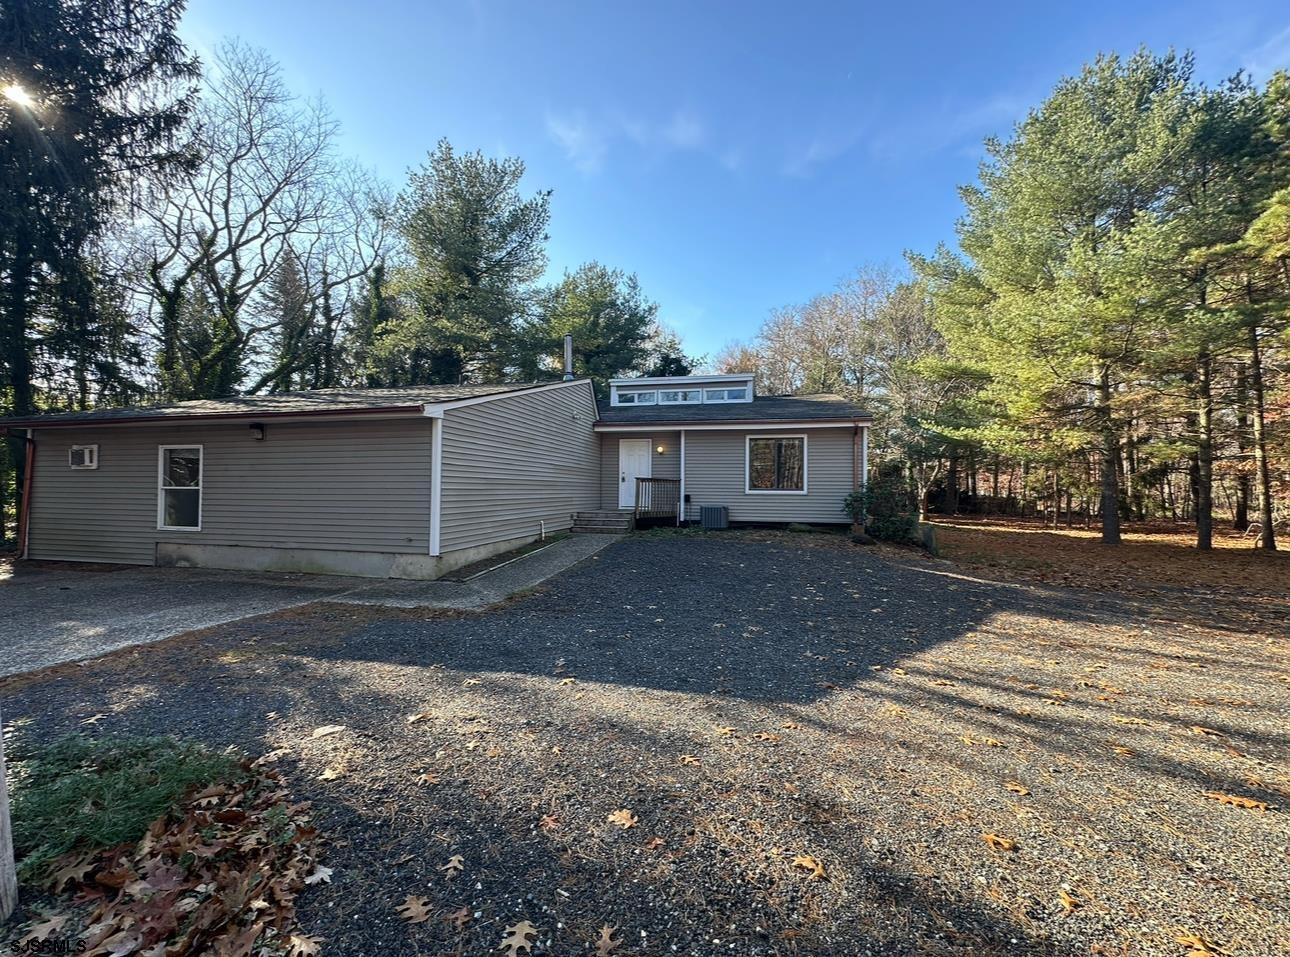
(216,876)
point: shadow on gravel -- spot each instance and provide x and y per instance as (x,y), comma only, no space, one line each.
(834,704)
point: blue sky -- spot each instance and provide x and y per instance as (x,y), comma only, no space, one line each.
(736,156)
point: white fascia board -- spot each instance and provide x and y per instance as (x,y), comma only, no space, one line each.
(758,425)
(681,380)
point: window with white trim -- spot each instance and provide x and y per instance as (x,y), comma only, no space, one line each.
(679,396)
(776,463)
(637,398)
(179,487)
(83,457)
(726,395)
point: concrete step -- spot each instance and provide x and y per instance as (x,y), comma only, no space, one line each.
(599,530)
(603,513)
(599,520)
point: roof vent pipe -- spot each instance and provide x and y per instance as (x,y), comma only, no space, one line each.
(568,358)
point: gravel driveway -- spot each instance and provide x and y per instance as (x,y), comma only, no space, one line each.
(815,744)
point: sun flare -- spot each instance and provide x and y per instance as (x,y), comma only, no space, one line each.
(15,93)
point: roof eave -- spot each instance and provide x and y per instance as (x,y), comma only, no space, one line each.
(601,425)
(311,415)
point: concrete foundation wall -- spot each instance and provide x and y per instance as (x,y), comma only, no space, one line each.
(319,561)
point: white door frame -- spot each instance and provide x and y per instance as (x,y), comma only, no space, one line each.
(627,483)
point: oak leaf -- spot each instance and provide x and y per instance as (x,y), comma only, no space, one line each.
(1068,901)
(301,945)
(654,843)
(606,944)
(458,918)
(1198,946)
(415,910)
(999,843)
(321,875)
(1236,800)
(689,759)
(456,864)
(791,726)
(518,937)
(766,736)
(804,862)
(46,928)
(429,777)
(726,732)
(1017,788)
(624,819)
(549,822)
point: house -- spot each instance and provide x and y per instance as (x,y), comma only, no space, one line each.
(415,482)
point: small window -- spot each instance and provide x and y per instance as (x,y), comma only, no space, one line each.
(179,491)
(777,464)
(726,395)
(83,457)
(637,398)
(680,395)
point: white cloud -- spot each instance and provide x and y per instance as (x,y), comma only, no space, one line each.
(1272,55)
(587,140)
(583,143)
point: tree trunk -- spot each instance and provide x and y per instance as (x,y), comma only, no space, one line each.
(1241,511)
(1205,455)
(8,869)
(952,486)
(1262,472)
(1110,463)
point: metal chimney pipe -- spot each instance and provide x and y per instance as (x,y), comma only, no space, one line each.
(568,358)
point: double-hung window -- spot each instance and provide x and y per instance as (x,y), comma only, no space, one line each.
(776,463)
(179,487)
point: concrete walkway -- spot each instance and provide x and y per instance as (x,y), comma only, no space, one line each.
(51,614)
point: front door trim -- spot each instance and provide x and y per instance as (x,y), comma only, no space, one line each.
(632,455)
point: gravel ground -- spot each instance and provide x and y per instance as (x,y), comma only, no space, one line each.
(752,701)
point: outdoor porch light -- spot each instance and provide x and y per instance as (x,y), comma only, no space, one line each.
(257,431)
(659,450)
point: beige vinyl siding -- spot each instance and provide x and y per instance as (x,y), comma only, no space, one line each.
(511,465)
(352,486)
(666,465)
(715,475)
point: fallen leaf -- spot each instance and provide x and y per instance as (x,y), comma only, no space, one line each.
(1017,788)
(1068,901)
(549,822)
(1198,946)
(624,819)
(301,945)
(805,862)
(689,759)
(458,918)
(766,736)
(456,864)
(331,774)
(1201,729)
(44,929)
(999,843)
(568,681)
(726,732)
(419,716)
(415,910)
(1237,801)
(327,729)
(518,937)
(321,875)
(654,843)
(791,726)
(429,777)
(606,944)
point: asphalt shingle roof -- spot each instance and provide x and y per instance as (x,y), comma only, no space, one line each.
(314,402)
(787,408)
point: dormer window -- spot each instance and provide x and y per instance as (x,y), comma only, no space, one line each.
(676,396)
(637,398)
(726,395)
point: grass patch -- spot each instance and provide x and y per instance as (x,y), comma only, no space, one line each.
(83,794)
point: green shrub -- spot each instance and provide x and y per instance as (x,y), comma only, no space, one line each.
(89,793)
(883,507)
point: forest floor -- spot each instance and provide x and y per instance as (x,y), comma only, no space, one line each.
(767,743)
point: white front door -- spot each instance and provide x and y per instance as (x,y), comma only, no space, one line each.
(633,463)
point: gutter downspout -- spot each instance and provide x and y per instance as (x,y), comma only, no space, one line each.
(681,517)
(28,475)
(436,477)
